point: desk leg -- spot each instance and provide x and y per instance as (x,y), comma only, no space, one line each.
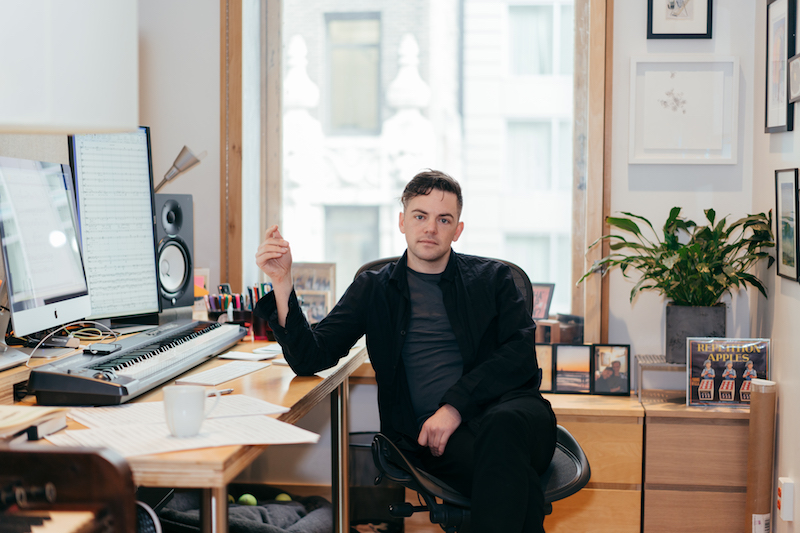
(214,510)
(340,440)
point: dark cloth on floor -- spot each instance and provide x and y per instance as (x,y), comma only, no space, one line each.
(305,515)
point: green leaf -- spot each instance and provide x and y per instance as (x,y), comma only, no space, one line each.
(624,224)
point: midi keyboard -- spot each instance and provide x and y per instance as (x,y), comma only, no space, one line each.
(143,362)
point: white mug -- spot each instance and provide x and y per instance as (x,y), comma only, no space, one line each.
(185,409)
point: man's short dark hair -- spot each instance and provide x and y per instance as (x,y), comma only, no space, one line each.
(428,180)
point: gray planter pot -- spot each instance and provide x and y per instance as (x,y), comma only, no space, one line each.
(687,321)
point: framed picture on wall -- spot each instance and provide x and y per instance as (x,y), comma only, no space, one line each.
(611,369)
(572,368)
(542,297)
(781,23)
(314,304)
(679,19)
(684,110)
(794,79)
(786,210)
(544,356)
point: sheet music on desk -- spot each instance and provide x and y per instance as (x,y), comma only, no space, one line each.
(153,412)
(145,439)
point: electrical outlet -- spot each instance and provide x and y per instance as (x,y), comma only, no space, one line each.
(785,501)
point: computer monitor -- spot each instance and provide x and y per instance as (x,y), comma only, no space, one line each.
(44,273)
(114,192)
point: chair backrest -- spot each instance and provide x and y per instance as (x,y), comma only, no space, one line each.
(521,279)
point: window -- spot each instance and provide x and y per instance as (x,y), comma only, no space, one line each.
(529,155)
(541,257)
(531,34)
(354,73)
(351,239)
(462,109)
(541,38)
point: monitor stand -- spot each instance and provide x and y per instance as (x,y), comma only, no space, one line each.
(9,357)
(130,324)
(13,356)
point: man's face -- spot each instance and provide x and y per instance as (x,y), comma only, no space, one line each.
(430,224)
(617,365)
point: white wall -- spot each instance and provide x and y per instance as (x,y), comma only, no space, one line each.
(739,29)
(179,91)
(652,190)
(776,317)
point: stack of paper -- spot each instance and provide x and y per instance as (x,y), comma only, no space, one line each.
(140,428)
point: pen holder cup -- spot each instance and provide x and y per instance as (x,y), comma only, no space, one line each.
(261,330)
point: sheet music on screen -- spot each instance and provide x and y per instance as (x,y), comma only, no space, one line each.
(115,214)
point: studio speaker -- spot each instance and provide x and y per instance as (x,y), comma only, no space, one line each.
(175,243)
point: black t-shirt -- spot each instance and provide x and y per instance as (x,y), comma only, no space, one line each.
(431,356)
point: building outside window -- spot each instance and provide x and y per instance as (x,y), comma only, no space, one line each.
(371,98)
(354,72)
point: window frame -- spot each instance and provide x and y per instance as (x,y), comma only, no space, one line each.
(592,179)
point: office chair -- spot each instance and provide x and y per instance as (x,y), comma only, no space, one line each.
(568,472)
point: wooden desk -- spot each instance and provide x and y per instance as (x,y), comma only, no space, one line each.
(695,467)
(211,469)
(610,429)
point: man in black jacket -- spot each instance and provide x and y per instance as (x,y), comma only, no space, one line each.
(452,346)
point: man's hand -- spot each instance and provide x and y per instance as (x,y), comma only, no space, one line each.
(274,258)
(437,429)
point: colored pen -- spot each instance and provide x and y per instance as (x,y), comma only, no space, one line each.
(221,392)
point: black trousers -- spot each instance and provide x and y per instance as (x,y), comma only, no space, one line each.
(496,459)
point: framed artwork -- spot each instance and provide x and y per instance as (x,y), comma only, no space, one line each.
(542,297)
(313,280)
(719,371)
(611,369)
(786,210)
(679,19)
(572,368)
(315,304)
(684,109)
(779,112)
(794,79)
(544,356)
(314,276)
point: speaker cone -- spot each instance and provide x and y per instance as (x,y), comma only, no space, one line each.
(174,268)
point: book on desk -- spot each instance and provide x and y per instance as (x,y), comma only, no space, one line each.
(21,423)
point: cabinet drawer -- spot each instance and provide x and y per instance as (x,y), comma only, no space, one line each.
(692,453)
(598,511)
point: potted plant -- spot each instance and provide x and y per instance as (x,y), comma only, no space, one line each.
(693,266)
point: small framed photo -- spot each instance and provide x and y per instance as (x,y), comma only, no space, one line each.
(314,304)
(542,297)
(314,276)
(794,79)
(572,364)
(779,115)
(611,365)
(679,19)
(786,209)
(544,356)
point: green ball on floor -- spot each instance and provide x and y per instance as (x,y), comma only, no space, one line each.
(231,499)
(247,499)
(283,497)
